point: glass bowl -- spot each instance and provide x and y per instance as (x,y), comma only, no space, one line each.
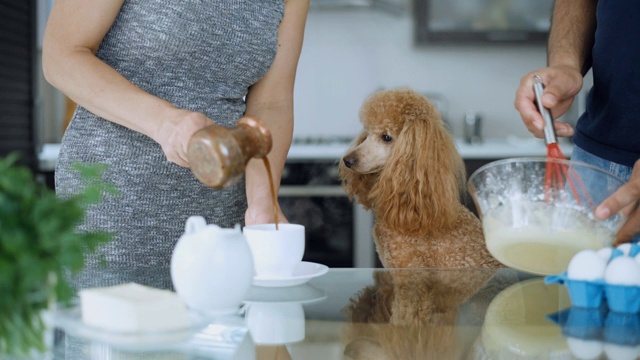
(538,227)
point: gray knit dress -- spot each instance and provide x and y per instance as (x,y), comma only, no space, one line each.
(200,55)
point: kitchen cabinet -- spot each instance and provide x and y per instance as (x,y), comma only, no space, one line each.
(321,160)
(18,57)
(474,21)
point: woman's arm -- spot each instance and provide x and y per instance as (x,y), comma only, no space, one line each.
(74,32)
(271,101)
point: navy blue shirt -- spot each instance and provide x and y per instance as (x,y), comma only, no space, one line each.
(610,126)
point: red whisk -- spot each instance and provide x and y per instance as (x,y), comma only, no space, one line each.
(558,174)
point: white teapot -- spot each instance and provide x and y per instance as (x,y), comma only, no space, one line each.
(211,267)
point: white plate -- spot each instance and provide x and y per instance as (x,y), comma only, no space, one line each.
(69,319)
(302,294)
(303,272)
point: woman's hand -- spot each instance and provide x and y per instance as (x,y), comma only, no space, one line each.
(562,84)
(626,200)
(176,130)
(260,211)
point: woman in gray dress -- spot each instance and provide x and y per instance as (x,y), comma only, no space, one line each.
(147,74)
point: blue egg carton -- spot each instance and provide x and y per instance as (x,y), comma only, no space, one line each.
(623,299)
(599,324)
(594,294)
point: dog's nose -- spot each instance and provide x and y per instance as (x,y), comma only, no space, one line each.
(349,161)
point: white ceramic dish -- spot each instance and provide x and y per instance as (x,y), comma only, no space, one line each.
(302,294)
(69,319)
(303,272)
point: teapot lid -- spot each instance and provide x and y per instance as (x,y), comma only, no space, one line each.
(215,229)
(196,224)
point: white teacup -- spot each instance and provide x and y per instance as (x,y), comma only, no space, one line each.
(275,252)
(275,323)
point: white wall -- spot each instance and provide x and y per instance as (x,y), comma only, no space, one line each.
(350,53)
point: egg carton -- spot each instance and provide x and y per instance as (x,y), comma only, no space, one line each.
(609,277)
(594,294)
(598,324)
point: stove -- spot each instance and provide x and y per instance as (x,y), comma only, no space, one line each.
(338,232)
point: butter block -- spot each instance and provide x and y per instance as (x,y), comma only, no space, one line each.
(132,307)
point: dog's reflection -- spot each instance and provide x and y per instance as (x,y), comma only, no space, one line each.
(409,314)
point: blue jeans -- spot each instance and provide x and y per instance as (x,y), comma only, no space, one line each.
(621,171)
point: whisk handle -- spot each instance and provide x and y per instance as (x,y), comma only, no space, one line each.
(549,131)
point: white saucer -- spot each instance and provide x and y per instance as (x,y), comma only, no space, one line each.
(303,272)
(70,320)
(302,294)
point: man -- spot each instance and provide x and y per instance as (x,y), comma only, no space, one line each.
(601,36)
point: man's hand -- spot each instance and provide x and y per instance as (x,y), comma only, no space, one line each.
(562,84)
(624,200)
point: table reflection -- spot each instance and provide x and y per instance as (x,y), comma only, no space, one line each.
(411,314)
(365,314)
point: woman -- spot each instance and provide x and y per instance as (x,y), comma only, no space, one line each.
(147,74)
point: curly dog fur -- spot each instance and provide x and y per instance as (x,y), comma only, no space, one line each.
(410,314)
(404,166)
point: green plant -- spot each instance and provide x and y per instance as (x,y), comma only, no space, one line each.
(39,246)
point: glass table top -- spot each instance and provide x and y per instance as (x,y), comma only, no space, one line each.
(393,314)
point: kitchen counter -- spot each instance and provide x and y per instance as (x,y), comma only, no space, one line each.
(490,148)
(404,314)
(48,156)
(511,146)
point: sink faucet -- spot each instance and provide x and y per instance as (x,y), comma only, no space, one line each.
(472,127)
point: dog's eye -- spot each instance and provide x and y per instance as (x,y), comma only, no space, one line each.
(386,138)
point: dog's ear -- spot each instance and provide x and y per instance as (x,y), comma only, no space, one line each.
(357,186)
(421,183)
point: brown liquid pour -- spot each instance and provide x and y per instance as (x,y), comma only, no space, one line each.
(274,196)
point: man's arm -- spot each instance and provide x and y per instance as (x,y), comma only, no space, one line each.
(568,59)
(572,32)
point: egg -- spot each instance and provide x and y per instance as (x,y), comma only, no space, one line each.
(621,352)
(623,270)
(605,253)
(625,248)
(585,349)
(586,265)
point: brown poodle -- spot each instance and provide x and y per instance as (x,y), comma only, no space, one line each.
(404,166)
(410,314)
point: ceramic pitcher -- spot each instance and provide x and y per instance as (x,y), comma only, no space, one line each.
(218,155)
(211,267)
